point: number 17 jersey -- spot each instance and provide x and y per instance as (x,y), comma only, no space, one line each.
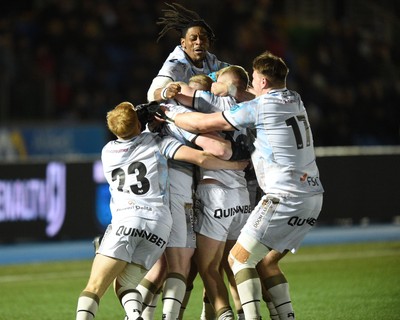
(284,158)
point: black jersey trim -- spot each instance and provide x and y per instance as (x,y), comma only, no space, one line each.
(223,114)
(173,156)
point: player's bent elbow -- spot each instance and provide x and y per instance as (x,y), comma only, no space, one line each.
(205,160)
(224,153)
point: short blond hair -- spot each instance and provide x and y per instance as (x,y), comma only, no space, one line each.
(237,71)
(122,121)
(203,80)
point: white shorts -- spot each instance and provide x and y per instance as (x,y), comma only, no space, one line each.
(282,223)
(182,232)
(221,211)
(136,240)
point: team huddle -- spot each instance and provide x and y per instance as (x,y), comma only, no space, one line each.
(222,182)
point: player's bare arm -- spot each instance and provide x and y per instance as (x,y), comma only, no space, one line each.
(162,88)
(207,160)
(225,89)
(186,95)
(215,144)
(198,122)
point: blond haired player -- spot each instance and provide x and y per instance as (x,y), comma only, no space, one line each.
(222,200)
(135,166)
(286,170)
(174,270)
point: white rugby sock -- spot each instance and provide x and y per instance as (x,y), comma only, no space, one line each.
(278,288)
(148,312)
(88,304)
(174,292)
(273,314)
(150,296)
(147,289)
(249,289)
(132,302)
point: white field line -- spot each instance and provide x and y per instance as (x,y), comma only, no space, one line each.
(298,257)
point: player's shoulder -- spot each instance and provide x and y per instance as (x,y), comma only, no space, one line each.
(281,96)
(147,136)
(176,58)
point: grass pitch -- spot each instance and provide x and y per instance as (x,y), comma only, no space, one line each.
(350,281)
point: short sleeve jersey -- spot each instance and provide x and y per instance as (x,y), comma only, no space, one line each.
(178,66)
(181,177)
(284,158)
(171,129)
(205,101)
(137,173)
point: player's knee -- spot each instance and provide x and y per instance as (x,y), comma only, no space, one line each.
(239,259)
(129,278)
(247,255)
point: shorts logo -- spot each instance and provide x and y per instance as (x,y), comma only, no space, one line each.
(133,232)
(226,213)
(296,221)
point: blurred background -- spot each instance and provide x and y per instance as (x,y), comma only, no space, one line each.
(65,63)
(69,60)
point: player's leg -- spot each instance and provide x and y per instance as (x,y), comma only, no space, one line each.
(276,285)
(208,257)
(250,249)
(242,198)
(150,287)
(178,260)
(273,314)
(189,286)
(104,270)
(207,311)
(290,233)
(146,254)
(243,258)
(216,207)
(235,228)
(125,288)
(178,254)
(231,279)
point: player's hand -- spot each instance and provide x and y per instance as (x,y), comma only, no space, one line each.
(170,91)
(164,115)
(242,164)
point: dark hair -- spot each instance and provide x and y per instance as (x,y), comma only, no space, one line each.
(271,67)
(180,19)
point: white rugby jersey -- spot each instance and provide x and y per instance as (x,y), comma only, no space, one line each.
(205,101)
(137,173)
(181,173)
(284,159)
(178,66)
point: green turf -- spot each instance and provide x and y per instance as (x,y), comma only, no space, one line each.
(352,281)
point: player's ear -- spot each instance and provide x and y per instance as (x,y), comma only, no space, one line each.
(183,43)
(265,82)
